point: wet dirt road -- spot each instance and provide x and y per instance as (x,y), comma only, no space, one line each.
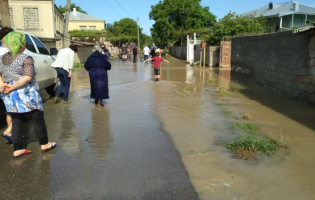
(160,141)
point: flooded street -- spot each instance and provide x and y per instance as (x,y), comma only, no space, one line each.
(163,141)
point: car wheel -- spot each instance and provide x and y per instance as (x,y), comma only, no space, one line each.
(51,90)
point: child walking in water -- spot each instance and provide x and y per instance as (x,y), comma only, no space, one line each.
(157,65)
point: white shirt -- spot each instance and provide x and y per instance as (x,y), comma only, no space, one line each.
(146,51)
(64,59)
(3,50)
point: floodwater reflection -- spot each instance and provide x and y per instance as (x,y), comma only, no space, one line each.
(100,134)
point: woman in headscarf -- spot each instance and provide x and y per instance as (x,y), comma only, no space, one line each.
(20,94)
(97,65)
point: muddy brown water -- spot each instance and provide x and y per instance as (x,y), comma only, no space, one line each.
(185,103)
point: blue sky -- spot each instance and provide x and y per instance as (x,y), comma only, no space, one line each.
(112,11)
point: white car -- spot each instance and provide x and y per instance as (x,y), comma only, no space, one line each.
(46,75)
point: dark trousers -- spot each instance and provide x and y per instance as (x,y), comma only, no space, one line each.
(64,83)
(146,57)
(135,58)
(18,122)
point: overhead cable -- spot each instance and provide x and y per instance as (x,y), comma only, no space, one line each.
(124,9)
(113,9)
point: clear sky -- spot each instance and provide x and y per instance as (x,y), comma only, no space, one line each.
(111,11)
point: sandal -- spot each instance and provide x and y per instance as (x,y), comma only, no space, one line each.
(24,153)
(9,138)
(53,145)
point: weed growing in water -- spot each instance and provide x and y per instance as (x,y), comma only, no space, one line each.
(245,127)
(235,89)
(212,81)
(221,92)
(254,143)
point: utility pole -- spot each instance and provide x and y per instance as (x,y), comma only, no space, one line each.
(65,30)
(138,34)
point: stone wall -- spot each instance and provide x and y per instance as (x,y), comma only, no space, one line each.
(282,61)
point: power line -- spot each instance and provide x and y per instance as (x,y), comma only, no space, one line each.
(113,9)
(124,9)
(219,8)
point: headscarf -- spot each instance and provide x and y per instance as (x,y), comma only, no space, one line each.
(14,41)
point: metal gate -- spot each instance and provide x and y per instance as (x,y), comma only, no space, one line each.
(191,48)
(225,53)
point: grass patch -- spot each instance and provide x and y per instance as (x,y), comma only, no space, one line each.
(78,65)
(253,144)
(222,92)
(221,104)
(212,81)
(245,127)
(235,89)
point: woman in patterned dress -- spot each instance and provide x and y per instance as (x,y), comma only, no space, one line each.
(20,94)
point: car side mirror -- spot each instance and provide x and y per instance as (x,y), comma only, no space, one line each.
(53,51)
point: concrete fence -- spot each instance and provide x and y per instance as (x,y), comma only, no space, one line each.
(179,52)
(282,61)
(82,54)
(212,54)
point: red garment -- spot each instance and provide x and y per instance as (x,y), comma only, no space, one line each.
(157,61)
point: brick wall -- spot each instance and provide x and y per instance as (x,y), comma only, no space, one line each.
(31,20)
(282,61)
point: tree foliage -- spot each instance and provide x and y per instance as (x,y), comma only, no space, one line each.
(72,5)
(126,31)
(232,25)
(174,17)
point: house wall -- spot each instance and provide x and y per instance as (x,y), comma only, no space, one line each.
(4,13)
(287,21)
(299,21)
(75,25)
(39,15)
(59,21)
(311,19)
(282,61)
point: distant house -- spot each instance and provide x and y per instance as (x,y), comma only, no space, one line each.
(82,21)
(286,15)
(40,18)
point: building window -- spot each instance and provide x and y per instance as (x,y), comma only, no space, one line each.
(82,27)
(31,20)
(11,17)
(92,27)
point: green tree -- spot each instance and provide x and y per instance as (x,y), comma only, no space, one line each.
(174,17)
(72,5)
(125,26)
(109,27)
(232,25)
(126,31)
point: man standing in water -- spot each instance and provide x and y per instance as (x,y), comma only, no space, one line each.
(152,53)
(135,52)
(146,52)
